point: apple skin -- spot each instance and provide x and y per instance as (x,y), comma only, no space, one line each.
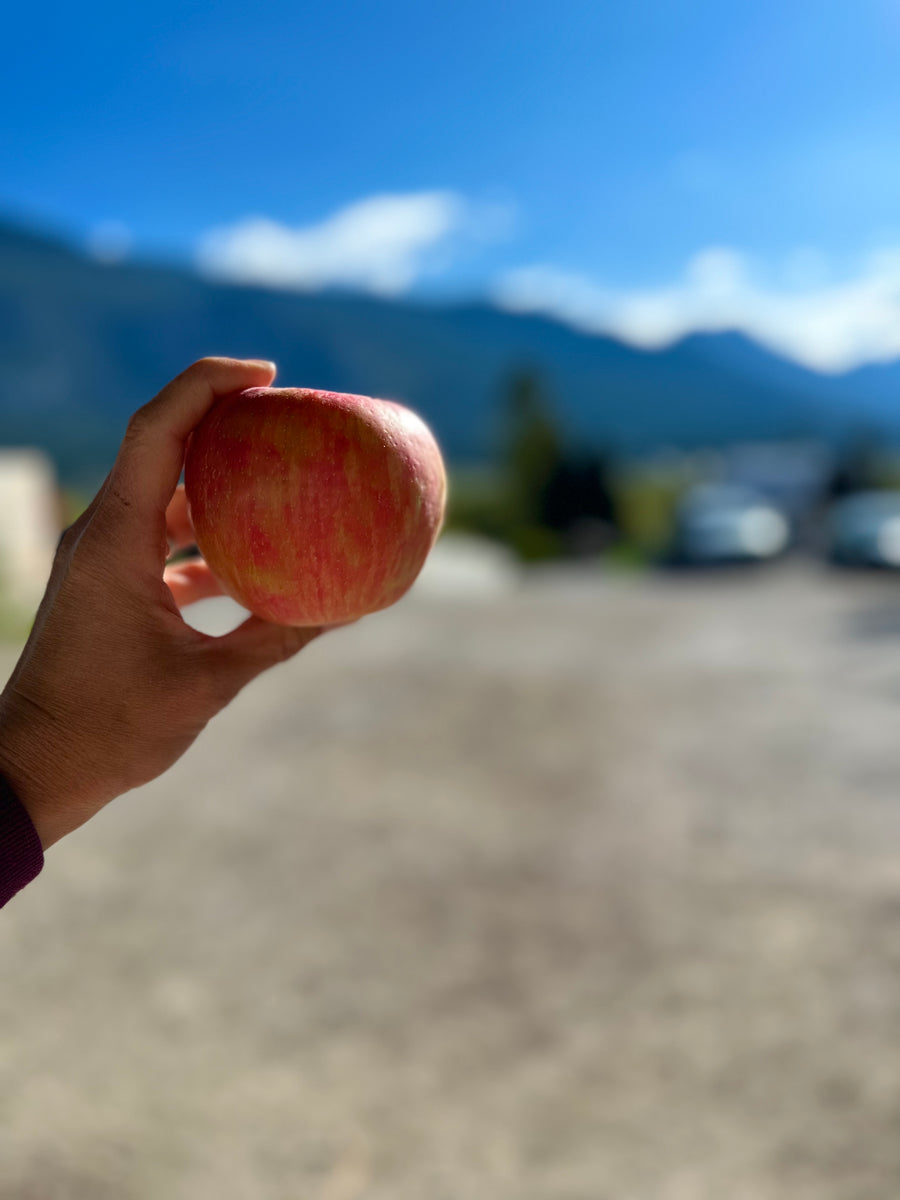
(310,507)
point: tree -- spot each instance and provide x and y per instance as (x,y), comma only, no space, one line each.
(856,468)
(533,449)
(579,491)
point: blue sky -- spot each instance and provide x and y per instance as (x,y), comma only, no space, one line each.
(645,168)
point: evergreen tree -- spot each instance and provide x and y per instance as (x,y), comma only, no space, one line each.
(533,448)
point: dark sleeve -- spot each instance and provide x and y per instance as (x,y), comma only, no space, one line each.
(21,853)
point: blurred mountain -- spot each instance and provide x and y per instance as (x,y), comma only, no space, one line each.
(83,343)
(878,388)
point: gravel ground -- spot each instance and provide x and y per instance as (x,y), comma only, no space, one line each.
(589,891)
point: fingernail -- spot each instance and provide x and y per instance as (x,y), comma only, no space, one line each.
(262,362)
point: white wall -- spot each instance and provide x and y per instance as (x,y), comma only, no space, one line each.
(29,526)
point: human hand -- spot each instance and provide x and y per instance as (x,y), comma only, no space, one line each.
(113,686)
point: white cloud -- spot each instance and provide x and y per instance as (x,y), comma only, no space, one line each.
(827,325)
(381,244)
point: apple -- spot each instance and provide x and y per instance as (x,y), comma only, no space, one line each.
(313,508)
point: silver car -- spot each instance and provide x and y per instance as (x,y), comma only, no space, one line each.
(863,530)
(728,523)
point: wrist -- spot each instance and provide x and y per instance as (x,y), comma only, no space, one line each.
(32,760)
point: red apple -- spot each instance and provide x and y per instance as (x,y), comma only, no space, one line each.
(313,508)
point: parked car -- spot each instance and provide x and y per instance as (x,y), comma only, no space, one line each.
(863,530)
(728,523)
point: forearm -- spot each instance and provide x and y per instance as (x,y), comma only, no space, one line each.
(21,852)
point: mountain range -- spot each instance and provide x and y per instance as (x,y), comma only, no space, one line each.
(83,343)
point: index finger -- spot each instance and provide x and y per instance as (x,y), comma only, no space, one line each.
(179,531)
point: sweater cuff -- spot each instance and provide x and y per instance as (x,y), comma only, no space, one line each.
(21,852)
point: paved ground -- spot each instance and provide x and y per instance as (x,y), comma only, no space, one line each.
(590,892)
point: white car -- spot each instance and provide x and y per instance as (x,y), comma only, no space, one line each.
(728,523)
(863,530)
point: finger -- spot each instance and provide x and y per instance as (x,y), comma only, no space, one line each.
(149,462)
(191,581)
(179,531)
(254,647)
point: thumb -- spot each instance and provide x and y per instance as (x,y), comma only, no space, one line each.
(145,474)
(239,656)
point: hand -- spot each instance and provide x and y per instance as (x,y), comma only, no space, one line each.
(112,686)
